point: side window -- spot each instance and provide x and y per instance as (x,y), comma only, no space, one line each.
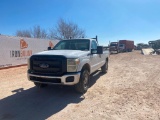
(94,45)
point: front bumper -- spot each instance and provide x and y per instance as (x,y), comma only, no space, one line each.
(67,79)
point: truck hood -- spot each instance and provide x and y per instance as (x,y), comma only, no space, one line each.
(66,53)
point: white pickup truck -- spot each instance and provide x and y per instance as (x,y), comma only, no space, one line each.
(70,62)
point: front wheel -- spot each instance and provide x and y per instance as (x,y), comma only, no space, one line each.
(83,84)
(104,68)
(117,51)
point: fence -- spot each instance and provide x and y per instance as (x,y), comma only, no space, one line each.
(15,51)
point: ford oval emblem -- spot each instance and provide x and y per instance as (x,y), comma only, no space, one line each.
(44,65)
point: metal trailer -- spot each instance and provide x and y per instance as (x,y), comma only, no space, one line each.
(126,45)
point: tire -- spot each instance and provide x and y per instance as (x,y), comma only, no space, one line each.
(83,84)
(40,85)
(104,68)
(117,51)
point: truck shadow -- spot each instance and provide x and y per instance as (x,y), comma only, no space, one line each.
(39,104)
(95,76)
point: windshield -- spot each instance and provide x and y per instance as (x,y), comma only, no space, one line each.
(73,45)
(113,45)
(121,45)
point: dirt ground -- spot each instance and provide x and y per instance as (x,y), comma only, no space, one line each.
(129,91)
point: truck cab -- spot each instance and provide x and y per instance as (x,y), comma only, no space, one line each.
(114,47)
(121,47)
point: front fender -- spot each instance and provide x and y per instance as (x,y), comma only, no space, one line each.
(83,61)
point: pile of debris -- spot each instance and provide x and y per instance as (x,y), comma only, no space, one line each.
(147,51)
(155,52)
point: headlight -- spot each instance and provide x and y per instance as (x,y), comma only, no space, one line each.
(28,63)
(72,65)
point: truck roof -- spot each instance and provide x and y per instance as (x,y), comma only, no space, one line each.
(81,39)
(126,40)
(114,42)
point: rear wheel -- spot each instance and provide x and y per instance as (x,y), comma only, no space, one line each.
(117,51)
(83,84)
(40,85)
(104,68)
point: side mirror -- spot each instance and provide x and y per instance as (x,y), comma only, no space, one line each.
(93,51)
(49,48)
(99,49)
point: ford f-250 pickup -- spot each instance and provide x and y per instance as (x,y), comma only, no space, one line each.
(70,62)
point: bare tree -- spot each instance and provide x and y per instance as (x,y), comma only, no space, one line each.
(65,30)
(35,32)
(23,33)
(38,32)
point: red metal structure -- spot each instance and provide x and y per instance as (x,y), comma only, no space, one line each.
(126,45)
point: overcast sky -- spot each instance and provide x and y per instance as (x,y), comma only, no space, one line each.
(111,20)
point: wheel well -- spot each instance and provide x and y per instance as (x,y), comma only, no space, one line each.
(107,59)
(86,66)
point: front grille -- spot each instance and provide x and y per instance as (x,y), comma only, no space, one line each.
(48,65)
